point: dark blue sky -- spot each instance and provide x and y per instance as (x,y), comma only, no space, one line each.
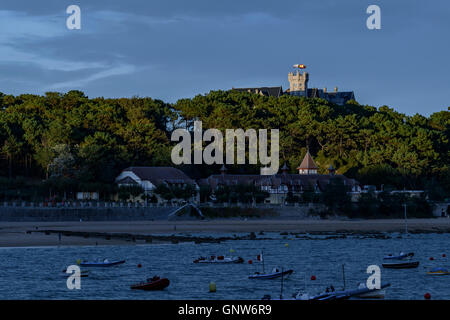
(179,48)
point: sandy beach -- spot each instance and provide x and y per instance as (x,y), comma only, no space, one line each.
(17,234)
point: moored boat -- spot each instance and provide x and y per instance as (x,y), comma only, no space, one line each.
(104,263)
(83,273)
(361,292)
(372,293)
(219,259)
(155,283)
(276,273)
(401,265)
(438,272)
(400,256)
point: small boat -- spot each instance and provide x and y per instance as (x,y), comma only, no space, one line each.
(276,273)
(219,259)
(104,263)
(372,293)
(400,256)
(155,283)
(83,273)
(401,265)
(361,292)
(438,272)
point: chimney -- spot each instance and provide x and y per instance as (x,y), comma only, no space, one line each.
(331,170)
(223,170)
(335,89)
(284,169)
(325,90)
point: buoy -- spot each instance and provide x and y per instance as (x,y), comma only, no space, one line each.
(443,255)
(250,261)
(286,245)
(212,287)
(427,296)
(431,258)
(79,261)
(139,265)
(313,277)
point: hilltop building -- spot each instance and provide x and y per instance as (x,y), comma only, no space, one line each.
(298,86)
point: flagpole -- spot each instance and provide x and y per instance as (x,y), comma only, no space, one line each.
(262,259)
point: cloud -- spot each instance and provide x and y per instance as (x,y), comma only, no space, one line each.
(20,29)
(82,82)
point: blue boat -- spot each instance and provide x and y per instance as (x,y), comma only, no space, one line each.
(104,263)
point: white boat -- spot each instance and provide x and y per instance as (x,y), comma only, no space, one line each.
(361,292)
(399,256)
(276,273)
(219,259)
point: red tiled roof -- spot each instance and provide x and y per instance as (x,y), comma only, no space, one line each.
(308,162)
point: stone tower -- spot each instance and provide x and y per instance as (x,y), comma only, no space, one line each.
(298,82)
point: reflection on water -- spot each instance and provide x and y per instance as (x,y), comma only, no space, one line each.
(36,273)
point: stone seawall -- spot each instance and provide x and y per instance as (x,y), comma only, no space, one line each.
(31,214)
(86,214)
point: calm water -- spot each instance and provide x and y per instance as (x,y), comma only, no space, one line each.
(36,273)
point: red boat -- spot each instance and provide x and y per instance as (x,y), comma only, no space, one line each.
(155,283)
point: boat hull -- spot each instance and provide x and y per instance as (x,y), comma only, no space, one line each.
(220,261)
(271,275)
(438,273)
(159,284)
(101,264)
(347,294)
(401,265)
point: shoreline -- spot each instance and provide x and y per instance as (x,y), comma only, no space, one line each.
(32,234)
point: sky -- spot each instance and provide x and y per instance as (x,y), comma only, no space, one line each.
(175,49)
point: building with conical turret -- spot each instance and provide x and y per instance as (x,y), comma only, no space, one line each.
(280,185)
(308,166)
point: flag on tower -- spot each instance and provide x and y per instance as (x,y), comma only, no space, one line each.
(300,66)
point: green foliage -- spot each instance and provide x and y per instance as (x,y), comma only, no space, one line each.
(335,196)
(391,205)
(97,138)
(127,192)
(169,192)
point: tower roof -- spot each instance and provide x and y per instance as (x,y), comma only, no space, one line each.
(308,162)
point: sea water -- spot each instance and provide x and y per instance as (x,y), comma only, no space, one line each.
(37,273)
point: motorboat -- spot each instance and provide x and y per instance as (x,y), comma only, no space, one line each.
(155,283)
(276,273)
(438,272)
(399,256)
(83,273)
(104,263)
(361,292)
(401,265)
(219,259)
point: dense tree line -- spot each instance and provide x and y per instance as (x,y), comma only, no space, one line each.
(73,142)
